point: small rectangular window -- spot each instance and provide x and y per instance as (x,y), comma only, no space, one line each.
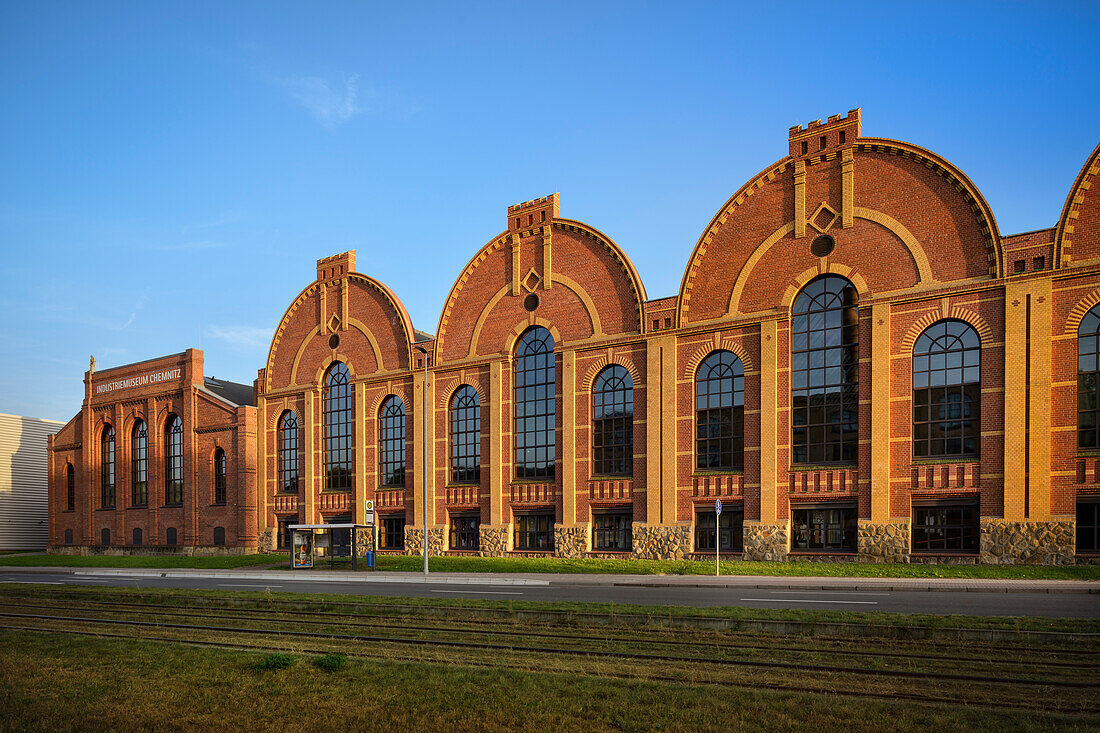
(1039,263)
(393,533)
(464,531)
(613,530)
(668,323)
(1019,266)
(822,142)
(842,137)
(1088,526)
(946,526)
(656,324)
(830,527)
(805,147)
(535,532)
(731,529)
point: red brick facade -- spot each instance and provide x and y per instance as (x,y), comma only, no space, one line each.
(906,229)
(155,393)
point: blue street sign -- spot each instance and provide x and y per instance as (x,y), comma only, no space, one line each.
(717,506)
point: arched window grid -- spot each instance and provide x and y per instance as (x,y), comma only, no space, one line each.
(613,422)
(288,453)
(1088,381)
(70,487)
(173,461)
(720,413)
(535,397)
(139,465)
(391,441)
(465,418)
(107,468)
(220,477)
(824,373)
(947,391)
(339,416)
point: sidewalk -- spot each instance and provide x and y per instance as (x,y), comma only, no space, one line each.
(973,585)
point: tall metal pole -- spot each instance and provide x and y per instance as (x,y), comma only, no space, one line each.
(424,465)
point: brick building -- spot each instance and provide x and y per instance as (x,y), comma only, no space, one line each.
(158,458)
(858,364)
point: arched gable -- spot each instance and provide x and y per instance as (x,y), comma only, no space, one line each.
(585,285)
(372,328)
(901,214)
(1077,237)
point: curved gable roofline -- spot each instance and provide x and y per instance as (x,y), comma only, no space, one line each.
(503,238)
(389,295)
(1063,246)
(941,166)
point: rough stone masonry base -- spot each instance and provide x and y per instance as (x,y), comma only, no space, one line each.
(1027,543)
(661,542)
(765,541)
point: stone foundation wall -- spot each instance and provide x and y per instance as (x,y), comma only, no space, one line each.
(886,542)
(765,541)
(1027,543)
(572,541)
(414,541)
(495,541)
(364,541)
(267,540)
(661,542)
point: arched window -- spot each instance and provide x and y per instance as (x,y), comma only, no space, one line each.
(139,465)
(170,537)
(613,422)
(68,537)
(219,536)
(465,435)
(107,468)
(137,537)
(70,488)
(535,397)
(391,441)
(173,461)
(219,476)
(1088,380)
(105,537)
(339,414)
(720,412)
(824,372)
(288,453)
(947,391)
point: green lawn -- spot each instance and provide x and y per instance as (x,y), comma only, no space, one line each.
(449,564)
(81,683)
(141,561)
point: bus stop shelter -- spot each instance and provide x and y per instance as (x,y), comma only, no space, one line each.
(311,542)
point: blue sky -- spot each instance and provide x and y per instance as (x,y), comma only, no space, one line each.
(169,172)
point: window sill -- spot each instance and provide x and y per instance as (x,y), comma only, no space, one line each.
(395,487)
(172,506)
(280,492)
(531,481)
(612,553)
(944,553)
(106,509)
(463,485)
(611,477)
(825,551)
(1089,453)
(533,553)
(945,460)
(218,503)
(337,491)
(720,472)
(137,506)
(824,467)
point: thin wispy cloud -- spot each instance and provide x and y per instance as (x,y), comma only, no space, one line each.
(331,104)
(245,336)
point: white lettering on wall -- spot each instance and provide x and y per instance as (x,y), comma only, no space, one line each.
(141,380)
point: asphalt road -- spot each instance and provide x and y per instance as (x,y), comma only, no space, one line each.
(1052,605)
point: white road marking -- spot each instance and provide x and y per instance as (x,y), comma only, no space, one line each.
(242,585)
(806,600)
(34,582)
(831,592)
(485,592)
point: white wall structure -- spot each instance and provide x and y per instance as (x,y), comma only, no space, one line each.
(24,520)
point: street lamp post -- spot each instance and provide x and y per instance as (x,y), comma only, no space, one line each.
(424,465)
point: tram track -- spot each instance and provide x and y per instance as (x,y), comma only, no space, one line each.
(305,618)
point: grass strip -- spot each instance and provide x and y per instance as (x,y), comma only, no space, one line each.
(102,684)
(463,564)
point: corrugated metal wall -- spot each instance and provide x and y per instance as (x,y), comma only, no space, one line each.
(23,481)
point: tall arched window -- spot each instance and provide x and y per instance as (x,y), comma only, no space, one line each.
(535,397)
(288,453)
(339,415)
(219,476)
(70,488)
(824,372)
(613,422)
(391,441)
(173,461)
(720,412)
(1088,380)
(107,468)
(465,435)
(947,391)
(139,465)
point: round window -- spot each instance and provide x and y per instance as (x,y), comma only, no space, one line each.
(333,341)
(531,302)
(822,246)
